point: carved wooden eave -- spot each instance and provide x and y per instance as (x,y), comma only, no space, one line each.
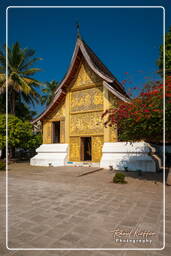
(57,99)
(109,81)
(116,93)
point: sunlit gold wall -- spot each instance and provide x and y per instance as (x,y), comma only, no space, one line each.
(86,108)
(80,115)
(47,132)
(57,115)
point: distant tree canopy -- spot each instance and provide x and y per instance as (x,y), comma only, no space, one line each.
(167,55)
(49,92)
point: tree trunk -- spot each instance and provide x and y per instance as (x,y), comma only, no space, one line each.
(11,152)
(12,101)
(3,153)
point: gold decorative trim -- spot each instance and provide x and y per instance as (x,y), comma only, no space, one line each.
(56,119)
(86,111)
(87,135)
(98,84)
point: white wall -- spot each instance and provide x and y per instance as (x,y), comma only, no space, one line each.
(51,155)
(134,156)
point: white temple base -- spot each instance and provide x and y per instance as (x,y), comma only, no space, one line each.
(133,156)
(51,155)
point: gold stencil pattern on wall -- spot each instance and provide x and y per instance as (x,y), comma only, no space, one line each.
(85,124)
(58,113)
(47,132)
(88,99)
(97,144)
(74,149)
(85,76)
(62,131)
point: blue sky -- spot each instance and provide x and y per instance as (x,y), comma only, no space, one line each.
(126,40)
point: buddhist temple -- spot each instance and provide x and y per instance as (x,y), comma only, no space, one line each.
(72,125)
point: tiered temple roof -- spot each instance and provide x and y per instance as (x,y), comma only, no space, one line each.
(82,50)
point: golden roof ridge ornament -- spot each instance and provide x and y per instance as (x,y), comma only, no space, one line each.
(78,30)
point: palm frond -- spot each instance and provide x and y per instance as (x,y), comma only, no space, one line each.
(49,91)
(25,65)
(20,70)
(32,81)
(32,98)
(30,71)
(28,53)
(2,83)
(20,84)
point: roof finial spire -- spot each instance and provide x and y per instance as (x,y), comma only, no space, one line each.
(78,30)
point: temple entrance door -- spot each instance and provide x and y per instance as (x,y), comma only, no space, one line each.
(56,132)
(86,154)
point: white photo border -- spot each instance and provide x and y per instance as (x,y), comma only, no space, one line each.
(164,202)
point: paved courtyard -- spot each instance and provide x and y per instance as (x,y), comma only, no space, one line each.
(56,208)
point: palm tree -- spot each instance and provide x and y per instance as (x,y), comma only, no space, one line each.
(49,91)
(21,84)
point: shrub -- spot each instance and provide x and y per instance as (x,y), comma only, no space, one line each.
(119,178)
(142,118)
(2,166)
(20,134)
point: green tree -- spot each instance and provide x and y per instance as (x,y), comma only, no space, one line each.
(167,54)
(168,73)
(142,118)
(49,90)
(20,134)
(22,110)
(21,85)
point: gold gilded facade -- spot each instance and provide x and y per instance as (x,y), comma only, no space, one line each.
(58,113)
(88,99)
(81,125)
(47,132)
(85,77)
(74,152)
(97,144)
(86,124)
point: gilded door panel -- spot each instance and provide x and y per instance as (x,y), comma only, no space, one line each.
(62,131)
(47,132)
(75,149)
(97,144)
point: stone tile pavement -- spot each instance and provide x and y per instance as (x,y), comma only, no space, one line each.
(54,208)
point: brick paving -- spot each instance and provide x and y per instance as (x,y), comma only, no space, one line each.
(55,208)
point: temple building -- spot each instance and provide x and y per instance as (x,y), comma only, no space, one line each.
(72,125)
